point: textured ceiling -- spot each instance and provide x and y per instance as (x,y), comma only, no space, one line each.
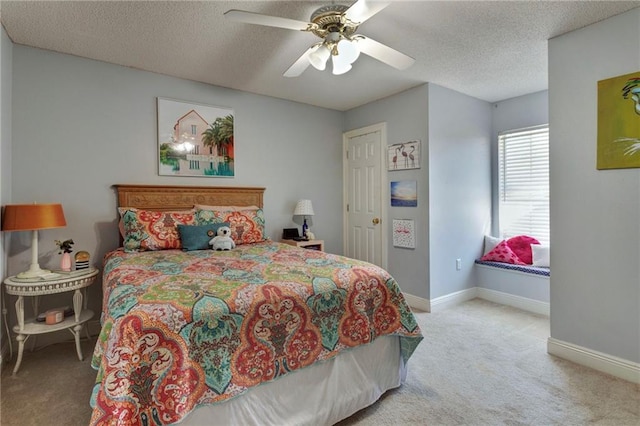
(490,50)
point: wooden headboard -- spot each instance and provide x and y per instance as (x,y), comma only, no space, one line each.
(174,197)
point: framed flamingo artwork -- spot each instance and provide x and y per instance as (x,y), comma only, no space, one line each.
(404,156)
(195,139)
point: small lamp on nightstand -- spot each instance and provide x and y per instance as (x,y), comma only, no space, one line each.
(304,208)
(32,217)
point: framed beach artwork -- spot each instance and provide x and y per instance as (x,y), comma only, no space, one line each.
(403,233)
(195,139)
(404,193)
(619,122)
(403,156)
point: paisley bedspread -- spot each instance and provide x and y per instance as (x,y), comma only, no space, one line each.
(182,329)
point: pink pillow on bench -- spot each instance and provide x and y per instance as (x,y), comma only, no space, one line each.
(503,253)
(521,246)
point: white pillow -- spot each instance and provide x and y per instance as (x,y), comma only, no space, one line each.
(541,255)
(490,243)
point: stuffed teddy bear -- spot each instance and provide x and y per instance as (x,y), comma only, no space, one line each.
(223,240)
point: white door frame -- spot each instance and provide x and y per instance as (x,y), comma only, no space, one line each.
(384,186)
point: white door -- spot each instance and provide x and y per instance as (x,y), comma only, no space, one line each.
(365,192)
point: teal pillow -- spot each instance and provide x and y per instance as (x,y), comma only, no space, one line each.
(197,237)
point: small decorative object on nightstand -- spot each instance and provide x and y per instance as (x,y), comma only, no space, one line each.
(82,260)
(76,281)
(65,250)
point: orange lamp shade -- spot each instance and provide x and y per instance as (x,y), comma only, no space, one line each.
(29,217)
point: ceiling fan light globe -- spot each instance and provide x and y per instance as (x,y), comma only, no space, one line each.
(340,61)
(340,66)
(349,50)
(318,59)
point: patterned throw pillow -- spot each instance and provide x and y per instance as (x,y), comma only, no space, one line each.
(247,226)
(521,246)
(151,230)
(502,253)
(197,237)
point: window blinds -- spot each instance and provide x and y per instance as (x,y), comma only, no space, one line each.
(524,183)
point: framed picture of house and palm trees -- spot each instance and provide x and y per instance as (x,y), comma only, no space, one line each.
(194,139)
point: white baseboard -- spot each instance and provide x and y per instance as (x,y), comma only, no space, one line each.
(448,300)
(443,302)
(618,367)
(519,302)
(440,303)
(417,302)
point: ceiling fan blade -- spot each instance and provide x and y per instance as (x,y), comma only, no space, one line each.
(384,53)
(362,10)
(300,65)
(269,21)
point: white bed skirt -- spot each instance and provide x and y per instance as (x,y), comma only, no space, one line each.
(322,394)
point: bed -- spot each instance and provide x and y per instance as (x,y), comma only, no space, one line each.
(264,334)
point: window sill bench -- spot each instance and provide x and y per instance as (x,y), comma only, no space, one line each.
(525,269)
(524,287)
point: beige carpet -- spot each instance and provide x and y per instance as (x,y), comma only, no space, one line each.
(480,364)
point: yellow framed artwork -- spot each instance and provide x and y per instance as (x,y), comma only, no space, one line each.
(619,122)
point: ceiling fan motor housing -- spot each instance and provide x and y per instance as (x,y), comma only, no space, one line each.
(331,19)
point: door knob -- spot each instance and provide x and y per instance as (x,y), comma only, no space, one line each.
(376,221)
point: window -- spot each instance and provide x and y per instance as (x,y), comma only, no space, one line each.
(524,183)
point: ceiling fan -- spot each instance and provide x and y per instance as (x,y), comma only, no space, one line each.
(336,25)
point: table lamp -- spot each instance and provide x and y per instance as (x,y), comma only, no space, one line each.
(304,208)
(32,217)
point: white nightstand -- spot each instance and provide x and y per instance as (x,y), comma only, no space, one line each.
(311,244)
(70,281)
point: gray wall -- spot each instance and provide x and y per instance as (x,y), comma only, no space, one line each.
(6,63)
(515,113)
(406,115)
(6,54)
(595,214)
(459,187)
(454,191)
(80,126)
